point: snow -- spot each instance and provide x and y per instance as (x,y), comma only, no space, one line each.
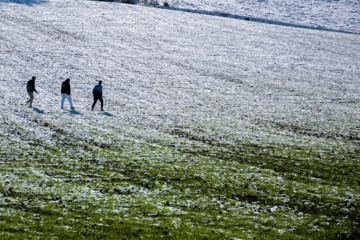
(221,77)
(335,15)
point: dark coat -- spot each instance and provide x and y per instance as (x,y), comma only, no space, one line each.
(65,87)
(31,86)
(97,90)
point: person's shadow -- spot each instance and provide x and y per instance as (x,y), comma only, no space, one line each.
(107,114)
(74,112)
(39,111)
(26,2)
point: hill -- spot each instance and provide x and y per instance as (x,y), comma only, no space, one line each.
(213,127)
(339,15)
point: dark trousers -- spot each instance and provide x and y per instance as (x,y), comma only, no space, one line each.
(96,98)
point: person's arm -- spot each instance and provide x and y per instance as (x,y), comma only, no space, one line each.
(33,86)
(67,89)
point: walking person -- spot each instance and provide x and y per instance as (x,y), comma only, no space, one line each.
(30,87)
(97,92)
(66,93)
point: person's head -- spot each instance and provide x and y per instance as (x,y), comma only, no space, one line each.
(100,82)
(67,80)
(33,78)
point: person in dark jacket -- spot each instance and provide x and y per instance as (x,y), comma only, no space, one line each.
(66,93)
(97,92)
(30,87)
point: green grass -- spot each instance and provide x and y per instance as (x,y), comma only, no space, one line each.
(175,185)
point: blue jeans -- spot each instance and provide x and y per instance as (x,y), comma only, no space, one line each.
(68,97)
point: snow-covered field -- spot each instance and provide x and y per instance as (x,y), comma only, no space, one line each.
(177,82)
(336,15)
(224,75)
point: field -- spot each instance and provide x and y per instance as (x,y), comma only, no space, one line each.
(214,128)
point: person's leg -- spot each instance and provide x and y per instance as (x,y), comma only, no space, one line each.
(102,104)
(63,96)
(95,100)
(31,95)
(70,101)
(28,101)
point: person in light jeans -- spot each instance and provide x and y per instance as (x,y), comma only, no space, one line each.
(66,93)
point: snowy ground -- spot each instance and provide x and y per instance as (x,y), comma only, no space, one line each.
(172,79)
(336,15)
(217,73)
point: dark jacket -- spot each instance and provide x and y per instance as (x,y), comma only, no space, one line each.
(97,90)
(65,87)
(31,86)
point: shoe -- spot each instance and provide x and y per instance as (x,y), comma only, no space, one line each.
(72,108)
(62,108)
(92,109)
(102,109)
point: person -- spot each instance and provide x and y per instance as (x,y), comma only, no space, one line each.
(97,92)
(30,87)
(66,93)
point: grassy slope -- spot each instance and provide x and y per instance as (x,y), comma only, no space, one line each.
(177,186)
(113,178)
